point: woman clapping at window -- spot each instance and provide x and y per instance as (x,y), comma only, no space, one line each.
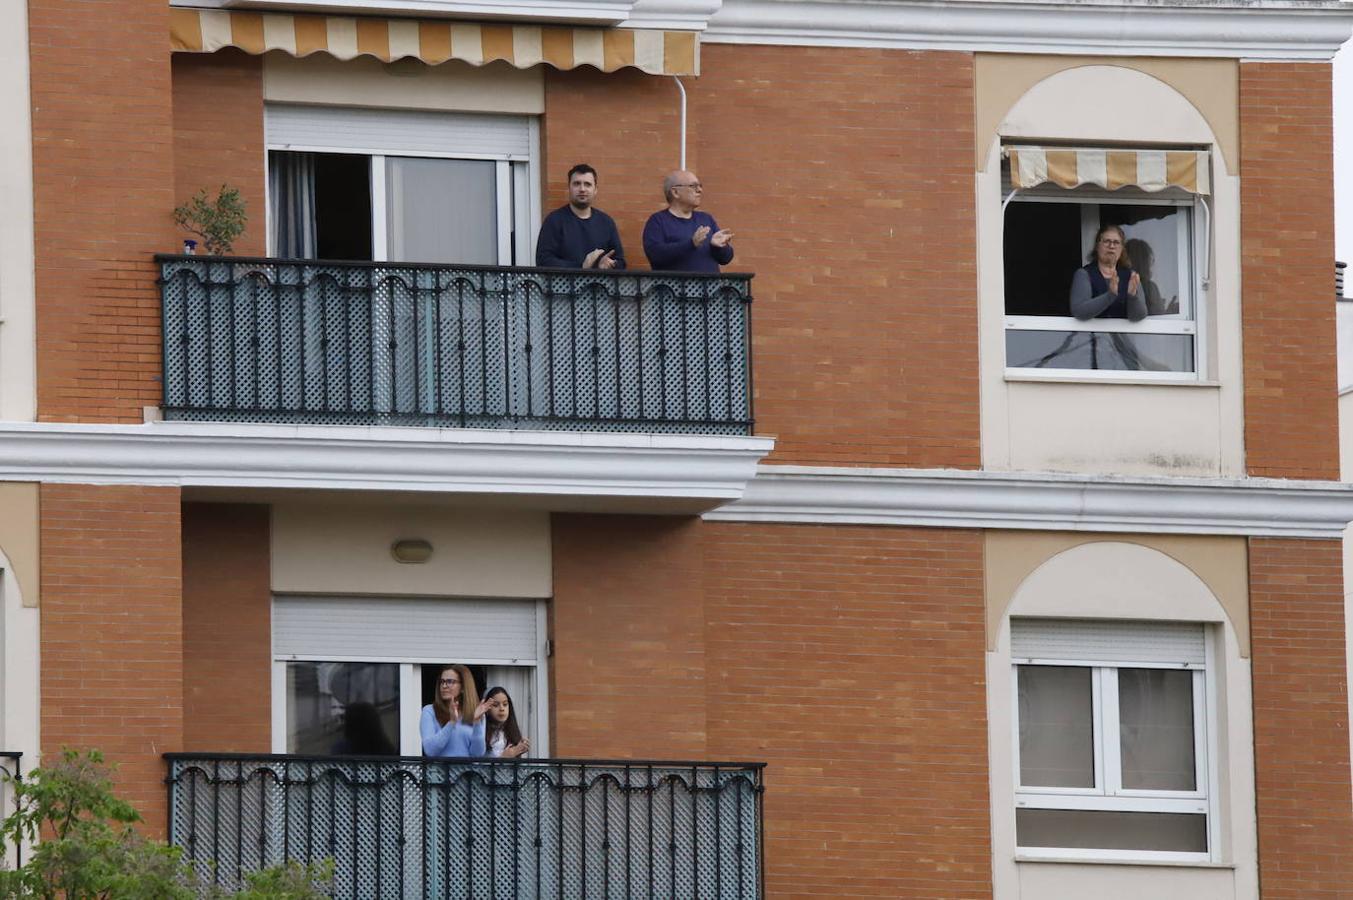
(453,724)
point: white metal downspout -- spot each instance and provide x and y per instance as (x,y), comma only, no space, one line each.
(682,89)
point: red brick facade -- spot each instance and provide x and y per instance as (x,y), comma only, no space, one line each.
(847,178)
(112,631)
(218,134)
(227,629)
(1287,236)
(103,182)
(1301,719)
(850,659)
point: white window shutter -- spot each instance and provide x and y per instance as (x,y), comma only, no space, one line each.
(406,629)
(392,132)
(1109,641)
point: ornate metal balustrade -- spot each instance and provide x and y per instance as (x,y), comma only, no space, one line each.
(401,828)
(268,340)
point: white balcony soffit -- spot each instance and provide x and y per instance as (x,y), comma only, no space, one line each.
(952,498)
(544,465)
(1246,29)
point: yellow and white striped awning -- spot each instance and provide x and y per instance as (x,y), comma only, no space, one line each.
(435,40)
(1150,170)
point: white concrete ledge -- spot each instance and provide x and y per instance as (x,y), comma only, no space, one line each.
(1248,29)
(546,464)
(951,498)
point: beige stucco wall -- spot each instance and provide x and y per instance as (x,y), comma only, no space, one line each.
(1212,86)
(1221,563)
(18,372)
(19,529)
(1089,425)
(407,84)
(344,548)
(1159,578)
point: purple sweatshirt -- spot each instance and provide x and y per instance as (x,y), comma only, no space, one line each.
(668,246)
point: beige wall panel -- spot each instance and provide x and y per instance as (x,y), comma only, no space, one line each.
(1211,85)
(345,549)
(1120,428)
(1063,881)
(406,84)
(1086,424)
(19,535)
(1221,563)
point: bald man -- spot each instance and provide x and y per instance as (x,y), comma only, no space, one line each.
(680,238)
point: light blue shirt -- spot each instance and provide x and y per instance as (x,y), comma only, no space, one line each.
(455,738)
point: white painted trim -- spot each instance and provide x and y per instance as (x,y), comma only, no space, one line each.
(18,342)
(1273,30)
(582,12)
(953,498)
(557,464)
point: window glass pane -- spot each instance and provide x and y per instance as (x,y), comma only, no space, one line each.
(1155,709)
(1155,251)
(342,708)
(1074,829)
(1102,351)
(442,210)
(1056,727)
(1046,240)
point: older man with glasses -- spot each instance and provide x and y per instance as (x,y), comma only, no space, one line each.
(680,238)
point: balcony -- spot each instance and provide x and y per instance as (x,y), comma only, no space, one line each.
(355,343)
(412,827)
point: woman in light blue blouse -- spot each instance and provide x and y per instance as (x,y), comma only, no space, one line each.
(453,724)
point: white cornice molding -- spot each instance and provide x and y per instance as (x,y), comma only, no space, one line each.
(951,498)
(576,12)
(1267,30)
(464,461)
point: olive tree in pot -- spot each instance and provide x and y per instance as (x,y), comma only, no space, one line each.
(217,221)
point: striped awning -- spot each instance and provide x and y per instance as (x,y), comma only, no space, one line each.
(1150,170)
(435,40)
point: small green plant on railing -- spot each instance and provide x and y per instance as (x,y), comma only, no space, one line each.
(218,222)
(85,846)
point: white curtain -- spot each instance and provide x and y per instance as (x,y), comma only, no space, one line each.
(291,188)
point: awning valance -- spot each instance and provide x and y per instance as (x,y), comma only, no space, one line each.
(1150,170)
(436,40)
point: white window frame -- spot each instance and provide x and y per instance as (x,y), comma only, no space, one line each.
(410,690)
(1108,794)
(1195,326)
(517,190)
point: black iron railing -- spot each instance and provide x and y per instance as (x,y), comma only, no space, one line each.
(402,828)
(269,340)
(11,772)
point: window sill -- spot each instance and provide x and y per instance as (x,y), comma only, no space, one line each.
(1085,378)
(1091,861)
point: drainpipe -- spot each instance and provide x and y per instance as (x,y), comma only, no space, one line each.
(682,89)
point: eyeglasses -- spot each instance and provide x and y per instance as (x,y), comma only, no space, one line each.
(445,681)
(1111,242)
(694,185)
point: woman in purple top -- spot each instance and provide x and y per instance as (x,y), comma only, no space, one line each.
(680,238)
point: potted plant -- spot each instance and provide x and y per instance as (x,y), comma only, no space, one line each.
(218,222)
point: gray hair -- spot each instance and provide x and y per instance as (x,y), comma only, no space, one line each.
(669,182)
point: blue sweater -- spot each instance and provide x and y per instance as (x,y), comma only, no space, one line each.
(452,739)
(668,246)
(565,240)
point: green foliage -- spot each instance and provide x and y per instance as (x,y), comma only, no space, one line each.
(218,222)
(81,844)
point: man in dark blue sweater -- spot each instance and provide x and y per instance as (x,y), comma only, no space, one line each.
(680,238)
(576,235)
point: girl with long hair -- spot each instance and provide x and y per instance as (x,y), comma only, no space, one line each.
(452,725)
(502,734)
